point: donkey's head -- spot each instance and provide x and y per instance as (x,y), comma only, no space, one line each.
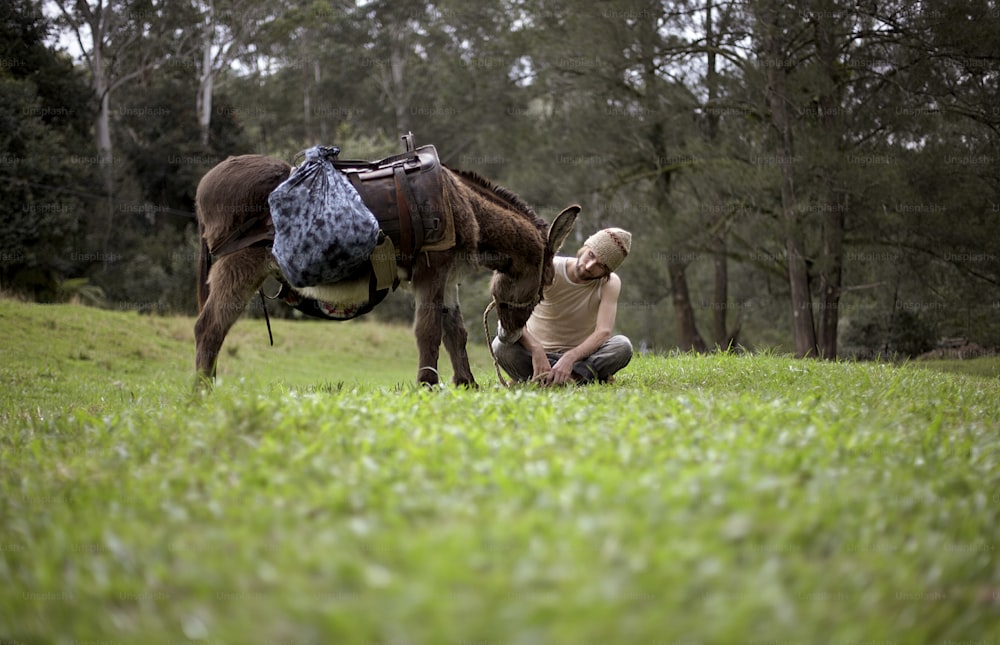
(516,296)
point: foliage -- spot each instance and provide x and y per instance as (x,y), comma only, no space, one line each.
(698,499)
(654,116)
(43,108)
(154,213)
(901,333)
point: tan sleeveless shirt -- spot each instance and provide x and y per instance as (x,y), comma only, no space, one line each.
(568,312)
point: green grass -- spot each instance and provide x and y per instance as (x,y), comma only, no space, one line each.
(59,357)
(715,499)
(982,366)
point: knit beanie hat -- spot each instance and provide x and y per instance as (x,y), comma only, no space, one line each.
(610,245)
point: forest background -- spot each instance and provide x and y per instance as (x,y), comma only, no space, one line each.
(819,177)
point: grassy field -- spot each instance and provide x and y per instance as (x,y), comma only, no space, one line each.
(316,496)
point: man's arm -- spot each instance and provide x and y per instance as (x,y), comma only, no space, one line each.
(539,359)
(606,314)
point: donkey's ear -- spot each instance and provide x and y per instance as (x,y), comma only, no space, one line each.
(561,226)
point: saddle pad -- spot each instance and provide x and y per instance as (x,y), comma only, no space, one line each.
(323,231)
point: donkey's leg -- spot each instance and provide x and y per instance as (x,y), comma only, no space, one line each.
(456,337)
(428,292)
(427,329)
(232,282)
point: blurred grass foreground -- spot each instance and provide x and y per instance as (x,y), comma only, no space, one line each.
(316,496)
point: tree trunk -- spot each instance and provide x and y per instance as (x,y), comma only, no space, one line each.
(720,295)
(830,280)
(102,218)
(803,327)
(711,74)
(833,211)
(397,68)
(307,110)
(803,330)
(317,78)
(687,328)
(102,90)
(102,132)
(206,81)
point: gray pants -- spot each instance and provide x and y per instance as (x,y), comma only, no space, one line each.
(613,355)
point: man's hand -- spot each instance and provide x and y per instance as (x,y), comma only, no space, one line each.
(541,371)
(562,371)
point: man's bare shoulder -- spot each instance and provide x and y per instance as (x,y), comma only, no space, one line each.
(612,287)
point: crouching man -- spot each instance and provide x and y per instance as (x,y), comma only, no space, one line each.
(568,338)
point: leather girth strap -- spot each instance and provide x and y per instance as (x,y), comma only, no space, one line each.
(406,246)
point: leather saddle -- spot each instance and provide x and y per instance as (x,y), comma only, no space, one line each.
(405,194)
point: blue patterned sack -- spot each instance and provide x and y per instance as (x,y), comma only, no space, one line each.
(323,232)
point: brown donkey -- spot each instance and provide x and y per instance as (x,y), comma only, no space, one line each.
(494,229)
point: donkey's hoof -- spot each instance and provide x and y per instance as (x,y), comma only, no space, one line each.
(428,376)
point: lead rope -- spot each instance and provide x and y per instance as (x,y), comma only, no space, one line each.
(486,324)
(489,343)
(267,318)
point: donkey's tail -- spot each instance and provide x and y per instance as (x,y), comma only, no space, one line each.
(204,264)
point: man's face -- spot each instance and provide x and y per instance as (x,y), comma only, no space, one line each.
(589,266)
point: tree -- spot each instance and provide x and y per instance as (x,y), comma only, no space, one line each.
(120,40)
(776,53)
(45,112)
(766,153)
(228,30)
